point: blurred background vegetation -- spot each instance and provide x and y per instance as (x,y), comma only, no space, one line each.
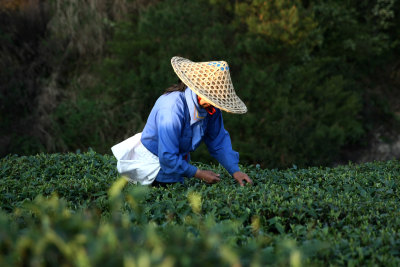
(318,77)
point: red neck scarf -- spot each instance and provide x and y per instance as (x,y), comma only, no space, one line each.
(210,110)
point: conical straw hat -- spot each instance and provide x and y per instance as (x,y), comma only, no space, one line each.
(211,81)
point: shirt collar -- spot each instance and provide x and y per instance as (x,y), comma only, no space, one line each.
(197,113)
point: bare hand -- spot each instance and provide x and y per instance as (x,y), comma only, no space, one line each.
(209,177)
(240,177)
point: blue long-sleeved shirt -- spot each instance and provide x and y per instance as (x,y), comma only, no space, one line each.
(176,126)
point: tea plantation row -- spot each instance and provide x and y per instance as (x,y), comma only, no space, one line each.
(73,210)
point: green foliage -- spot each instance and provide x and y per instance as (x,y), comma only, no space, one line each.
(22,62)
(301,109)
(78,178)
(284,21)
(44,47)
(90,122)
(309,115)
(70,209)
(311,73)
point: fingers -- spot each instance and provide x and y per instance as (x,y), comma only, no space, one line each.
(207,176)
(214,177)
(248,180)
(213,181)
(240,177)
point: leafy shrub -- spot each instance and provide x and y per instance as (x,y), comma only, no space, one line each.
(302,109)
(339,216)
(22,64)
(44,47)
(303,120)
(78,178)
(309,71)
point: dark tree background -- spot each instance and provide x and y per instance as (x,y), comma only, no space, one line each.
(318,77)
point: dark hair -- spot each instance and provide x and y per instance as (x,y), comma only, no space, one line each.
(180,87)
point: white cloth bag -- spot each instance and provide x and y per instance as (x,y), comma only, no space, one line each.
(136,162)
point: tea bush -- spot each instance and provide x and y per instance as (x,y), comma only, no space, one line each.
(72,209)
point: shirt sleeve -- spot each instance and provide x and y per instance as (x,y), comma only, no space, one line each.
(219,144)
(169,130)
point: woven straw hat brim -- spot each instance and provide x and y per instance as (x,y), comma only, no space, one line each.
(211,81)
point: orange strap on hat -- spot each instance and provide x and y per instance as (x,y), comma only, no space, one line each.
(210,110)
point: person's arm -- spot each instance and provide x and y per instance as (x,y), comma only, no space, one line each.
(219,145)
(169,123)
